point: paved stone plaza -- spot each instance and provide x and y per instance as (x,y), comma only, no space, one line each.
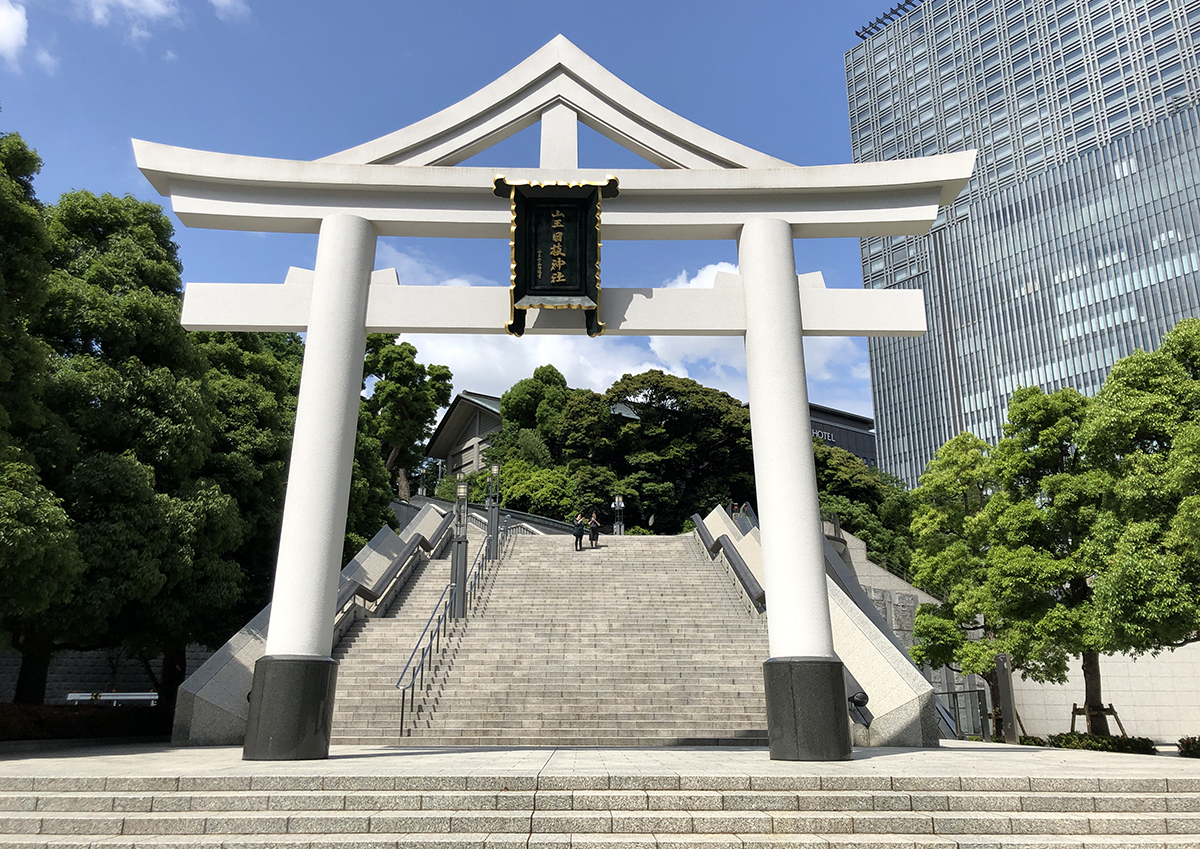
(961,796)
(974,764)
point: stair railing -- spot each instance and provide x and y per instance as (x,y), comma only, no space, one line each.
(437,627)
(441,612)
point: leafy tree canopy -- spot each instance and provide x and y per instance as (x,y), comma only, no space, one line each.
(1076,534)
(39,555)
(668,445)
(869,503)
(403,404)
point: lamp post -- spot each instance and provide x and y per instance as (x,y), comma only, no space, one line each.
(458,558)
(618,506)
(493,512)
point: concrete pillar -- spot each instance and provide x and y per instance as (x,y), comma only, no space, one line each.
(806,700)
(291,706)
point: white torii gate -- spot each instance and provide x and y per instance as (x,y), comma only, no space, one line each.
(409,183)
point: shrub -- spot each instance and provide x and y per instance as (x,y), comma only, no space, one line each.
(61,722)
(637,530)
(1189,747)
(1026,740)
(1101,743)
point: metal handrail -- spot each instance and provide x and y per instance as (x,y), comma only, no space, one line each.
(442,625)
(347,609)
(438,631)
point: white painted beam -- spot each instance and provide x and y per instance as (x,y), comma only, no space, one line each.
(558,69)
(245,193)
(391,308)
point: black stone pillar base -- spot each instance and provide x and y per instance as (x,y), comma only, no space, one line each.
(291,709)
(807,717)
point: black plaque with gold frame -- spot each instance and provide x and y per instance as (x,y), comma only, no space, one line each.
(555,248)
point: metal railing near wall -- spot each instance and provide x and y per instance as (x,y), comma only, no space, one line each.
(431,641)
(723,548)
(356,601)
(969,709)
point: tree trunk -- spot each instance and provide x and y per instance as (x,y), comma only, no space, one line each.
(36,652)
(402,489)
(174,671)
(1092,696)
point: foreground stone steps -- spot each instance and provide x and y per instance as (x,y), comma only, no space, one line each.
(582,810)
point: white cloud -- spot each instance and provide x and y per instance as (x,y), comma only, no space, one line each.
(170,56)
(837,367)
(139,14)
(491,364)
(229,10)
(14,30)
(414,269)
(703,278)
(47,60)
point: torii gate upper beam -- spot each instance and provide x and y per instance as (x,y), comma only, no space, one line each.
(229,192)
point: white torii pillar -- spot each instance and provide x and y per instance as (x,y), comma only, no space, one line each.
(411,183)
(291,704)
(806,697)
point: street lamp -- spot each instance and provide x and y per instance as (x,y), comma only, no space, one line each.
(493,512)
(458,558)
(618,506)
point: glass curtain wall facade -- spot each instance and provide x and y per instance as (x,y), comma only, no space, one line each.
(1076,241)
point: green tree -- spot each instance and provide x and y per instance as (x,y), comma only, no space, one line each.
(24,247)
(1070,538)
(870,504)
(1143,433)
(253,380)
(403,404)
(370,505)
(544,491)
(39,558)
(536,403)
(129,434)
(686,448)
(1017,579)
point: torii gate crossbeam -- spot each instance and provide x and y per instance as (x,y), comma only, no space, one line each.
(409,184)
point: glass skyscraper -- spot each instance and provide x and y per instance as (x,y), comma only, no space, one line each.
(1077,239)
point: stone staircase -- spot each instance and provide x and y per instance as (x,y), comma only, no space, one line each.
(641,642)
(539,811)
(373,652)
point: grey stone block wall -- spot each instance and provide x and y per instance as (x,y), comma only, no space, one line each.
(90,672)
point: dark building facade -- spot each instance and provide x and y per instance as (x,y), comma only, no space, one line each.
(851,432)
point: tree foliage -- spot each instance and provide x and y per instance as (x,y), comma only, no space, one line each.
(142,467)
(1144,436)
(1076,534)
(127,439)
(668,445)
(39,557)
(869,503)
(403,404)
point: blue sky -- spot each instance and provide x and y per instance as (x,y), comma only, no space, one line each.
(300,80)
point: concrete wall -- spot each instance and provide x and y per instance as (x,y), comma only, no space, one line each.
(1156,697)
(90,672)
(894,598)
(213,702)
(901,700)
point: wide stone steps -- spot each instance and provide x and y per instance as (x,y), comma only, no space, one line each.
(640,642)
(580,810)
